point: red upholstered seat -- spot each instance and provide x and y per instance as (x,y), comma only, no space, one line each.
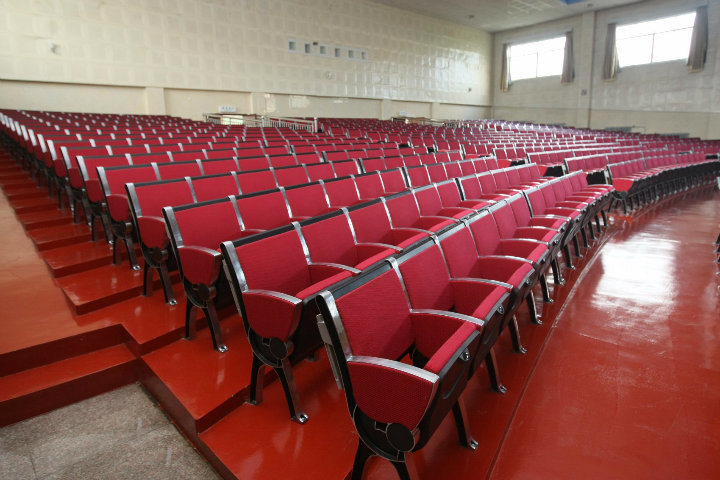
(342,192)
(256,181)
(430,204)
(210,187)
(146,203)
(320,171)
(274,287)
(371,224)
(262,211)
(369,185)
(287,176)
(450,197)
(393,181)
(405,213)
(169,171)
(418,176)
(329,239)
(396,406)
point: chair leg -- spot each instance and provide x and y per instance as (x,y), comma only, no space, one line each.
(257,381)
(604,217)
(132,258)
(106,227)
(576,244)
(566,254)
(147,280)
(190,319)
(515,336)
(493,372)
(287,379)
(544,288)
(362,455)
(214,324)
(534,317)
(586,244)
(463,426)
(166,284)
(557,274)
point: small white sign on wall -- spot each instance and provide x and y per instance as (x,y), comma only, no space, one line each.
(227,109)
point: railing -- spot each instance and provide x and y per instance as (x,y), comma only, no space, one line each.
(293,123)
(248,120)
(252,120)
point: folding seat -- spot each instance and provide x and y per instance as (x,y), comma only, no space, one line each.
(320,171)
(93,198)
(219,165)
(187,156)
(253,163)
(489,241)
(209,187)
(371,224)
(396,406)
(146,203)
(437,172)
(430,204)
(517,274)
(452,169)
(399,162)
(342,192)
(404,212)
(274,287)
(345,168)
(266,210)
(169,171)
(308,200)
(330,239)
(256,181)
(308,158)
(278,161)
(68,177)
(113,180)
(196,232)
(369,185)
(287,176)
(449,191)
(220,153)
(373,164)
(424,273)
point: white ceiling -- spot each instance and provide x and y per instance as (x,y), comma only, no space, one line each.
(498,15)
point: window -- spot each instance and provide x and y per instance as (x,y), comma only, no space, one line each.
(537,59)
(660,40)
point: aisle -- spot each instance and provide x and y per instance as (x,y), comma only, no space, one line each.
(628,384)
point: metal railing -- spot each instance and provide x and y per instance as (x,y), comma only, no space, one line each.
(252,120)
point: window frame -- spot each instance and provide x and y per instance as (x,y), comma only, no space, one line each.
(537,53)
(653,34)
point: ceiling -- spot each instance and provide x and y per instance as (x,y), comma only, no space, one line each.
(498,15)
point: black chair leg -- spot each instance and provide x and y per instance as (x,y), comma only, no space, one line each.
(190,319)
(545,289)
(515,336)
(534,317)
(463,426)
(557,276)
(287,379)
(166,284)
(566,254)
(215,331)
(257,381)
(494,373)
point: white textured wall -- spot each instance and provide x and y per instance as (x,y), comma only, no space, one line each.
(663,98)
(230,46)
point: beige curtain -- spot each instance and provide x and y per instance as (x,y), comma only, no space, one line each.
(568,73)
(610,65)
(699,45)
(505,69)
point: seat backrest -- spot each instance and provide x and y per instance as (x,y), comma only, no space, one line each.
(459,250)
(320,171)
(169,171)
(370,222)
(256,181)
(428,200)
(187,156)
(287,160)
(308,200)
(308,158)
(501,179)
(369,185)
(345,168)
(449,193)
(385,331)
(485,233)
(205,224)
(418,176)
(209,187)
(148,199)
(253,163)
(342,192)
(452,170)
(113,179)
(373,164)
(487,183)
(537,201)
(263,210)
(273,261)
(218,165)
(149,158)
(505,220)
(403,209)
(220,153)
(520,209)
(329,239)
(426,277)
(287,176)
(437,172)
(467,167)
(470,187)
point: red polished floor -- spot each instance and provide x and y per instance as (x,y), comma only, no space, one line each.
(622,380)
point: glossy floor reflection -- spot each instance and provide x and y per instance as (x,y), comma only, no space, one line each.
(622,380)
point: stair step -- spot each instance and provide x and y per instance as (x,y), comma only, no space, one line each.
(77,257)
(28,205)
(45,218)
(100,287)
(42,389)
(22,193)
(61,235)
